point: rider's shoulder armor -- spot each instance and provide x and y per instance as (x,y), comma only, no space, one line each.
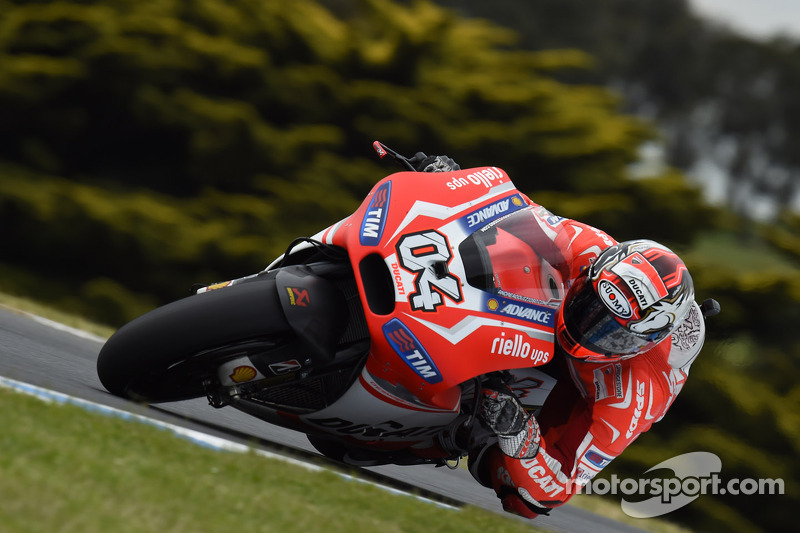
(687,339)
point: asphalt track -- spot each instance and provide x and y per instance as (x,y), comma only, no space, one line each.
(63,360)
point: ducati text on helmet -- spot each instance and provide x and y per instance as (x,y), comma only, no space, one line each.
(631,298)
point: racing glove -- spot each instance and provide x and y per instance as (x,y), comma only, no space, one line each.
(515,500)
(434,163)
(517,431)
(518,436)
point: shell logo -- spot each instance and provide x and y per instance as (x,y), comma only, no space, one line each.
(241,374)
(216,286)
(493,304)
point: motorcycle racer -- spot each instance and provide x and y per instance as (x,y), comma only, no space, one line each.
(394,336)
(627,333)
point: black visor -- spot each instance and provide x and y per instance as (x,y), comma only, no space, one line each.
(590,323)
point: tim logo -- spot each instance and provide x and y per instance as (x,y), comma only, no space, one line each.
(375,219)
(411,351)
(598,460)
(298,297)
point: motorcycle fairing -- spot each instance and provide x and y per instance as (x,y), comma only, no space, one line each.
(393,422)
(442,330)
(313,308)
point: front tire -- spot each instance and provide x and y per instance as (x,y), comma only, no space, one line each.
(166,354)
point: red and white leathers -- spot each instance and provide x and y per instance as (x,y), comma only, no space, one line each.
(596,410)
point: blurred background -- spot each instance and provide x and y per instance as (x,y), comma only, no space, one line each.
(146,146)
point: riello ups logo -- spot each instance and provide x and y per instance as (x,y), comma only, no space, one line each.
(516,346)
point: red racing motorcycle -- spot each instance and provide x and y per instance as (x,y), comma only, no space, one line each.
(373,336)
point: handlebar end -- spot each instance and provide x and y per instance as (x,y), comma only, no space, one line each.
(379,148)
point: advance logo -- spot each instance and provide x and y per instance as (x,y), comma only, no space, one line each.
(538,314)
(411,351)
(375,218)
(492,212)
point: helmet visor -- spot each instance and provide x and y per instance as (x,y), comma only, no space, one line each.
(593,326)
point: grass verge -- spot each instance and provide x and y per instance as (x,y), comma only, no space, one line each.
(18,304)
(64,469)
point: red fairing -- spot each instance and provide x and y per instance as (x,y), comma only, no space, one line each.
(442,330)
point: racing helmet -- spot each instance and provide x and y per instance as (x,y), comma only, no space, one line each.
(629,300)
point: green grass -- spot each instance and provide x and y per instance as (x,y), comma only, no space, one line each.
(63,469)
(21,305)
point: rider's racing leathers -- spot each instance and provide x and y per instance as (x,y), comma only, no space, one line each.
(596,410)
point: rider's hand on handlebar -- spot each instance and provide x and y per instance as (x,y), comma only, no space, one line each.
(433,163)
(501,411)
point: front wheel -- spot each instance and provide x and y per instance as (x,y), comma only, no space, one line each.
(168,353)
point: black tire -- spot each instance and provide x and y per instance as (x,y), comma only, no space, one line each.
(159,357)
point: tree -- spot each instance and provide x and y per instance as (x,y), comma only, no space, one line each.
(725,103)
(200,103)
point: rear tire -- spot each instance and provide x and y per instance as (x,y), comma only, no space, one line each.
(159,357)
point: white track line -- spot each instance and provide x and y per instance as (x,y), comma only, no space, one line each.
(68,329)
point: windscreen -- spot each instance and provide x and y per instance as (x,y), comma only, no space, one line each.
(515,257)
